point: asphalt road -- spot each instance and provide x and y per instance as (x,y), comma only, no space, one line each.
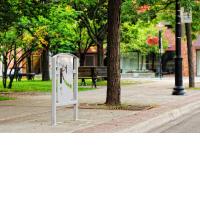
(186,124)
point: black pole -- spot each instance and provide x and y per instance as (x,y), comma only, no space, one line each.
(178,89)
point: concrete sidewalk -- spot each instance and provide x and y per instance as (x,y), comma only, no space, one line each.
(32,112)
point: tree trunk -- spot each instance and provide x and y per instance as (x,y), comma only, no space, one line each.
(5,69)
(153,62)
(28,64)
(190,55)
(142,62)
(113,84)
(82,59)
(100,54)
(12,76)
(45,64)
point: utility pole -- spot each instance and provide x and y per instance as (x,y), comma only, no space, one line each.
(178,89)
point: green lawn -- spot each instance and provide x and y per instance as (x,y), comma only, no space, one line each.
(28,86)
(33,86)
(40,86)
(104,82)
(196,88)
(2,98)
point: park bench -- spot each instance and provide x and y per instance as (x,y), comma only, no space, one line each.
(29,76)
(17,74)
(92,72)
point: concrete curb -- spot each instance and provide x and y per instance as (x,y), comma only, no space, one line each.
(146,126)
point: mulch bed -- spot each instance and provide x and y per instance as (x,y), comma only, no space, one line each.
(127,107)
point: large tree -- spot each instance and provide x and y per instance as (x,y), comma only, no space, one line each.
(113,49)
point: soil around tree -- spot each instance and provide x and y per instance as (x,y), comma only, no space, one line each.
(126,107)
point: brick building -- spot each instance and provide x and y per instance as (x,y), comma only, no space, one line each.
(169,35)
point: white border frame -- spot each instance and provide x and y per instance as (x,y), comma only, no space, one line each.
(55,77)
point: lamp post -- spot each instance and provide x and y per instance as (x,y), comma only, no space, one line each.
(178,89)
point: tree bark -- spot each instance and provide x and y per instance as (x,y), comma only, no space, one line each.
(82,59)
(45,64)
(5,69)
(190,55)
(142,62)
(153,61)
(113,84)
(28,64)
(13,68)
(100,53)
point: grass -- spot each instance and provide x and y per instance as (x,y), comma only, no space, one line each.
(33,86)
(28,86)
(2,98)
(196,88)
(40,86)
(193,88)
(104,82)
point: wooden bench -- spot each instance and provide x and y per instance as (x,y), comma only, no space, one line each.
(17,74)
(92,72)
(29,76)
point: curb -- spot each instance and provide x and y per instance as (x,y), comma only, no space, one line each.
(151,124)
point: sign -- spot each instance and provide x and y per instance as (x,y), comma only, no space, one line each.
(64,83)
(186,17)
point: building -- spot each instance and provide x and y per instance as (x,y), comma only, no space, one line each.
(196,49)
(35,64)
(91,57)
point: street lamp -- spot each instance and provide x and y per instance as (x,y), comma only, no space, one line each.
(178,89)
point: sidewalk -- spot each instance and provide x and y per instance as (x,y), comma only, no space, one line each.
(32,112)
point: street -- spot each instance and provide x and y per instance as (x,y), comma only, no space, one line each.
(186,124)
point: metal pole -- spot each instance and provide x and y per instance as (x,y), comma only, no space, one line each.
(178,89)
(53,103)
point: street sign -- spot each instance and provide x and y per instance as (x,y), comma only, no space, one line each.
(186,16)
(64,83)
